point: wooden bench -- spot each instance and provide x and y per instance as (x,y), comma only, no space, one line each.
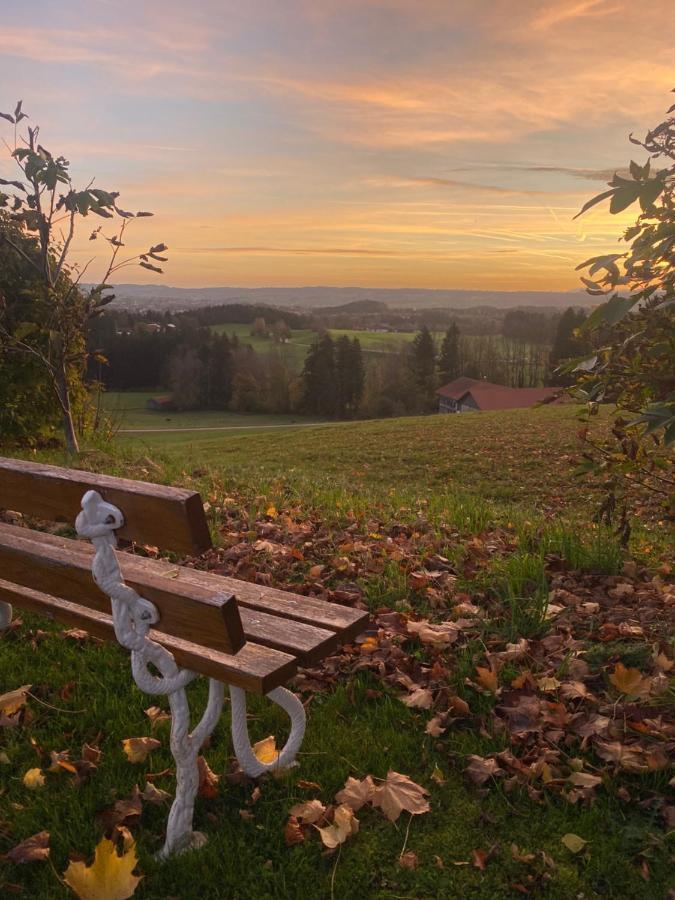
(177,622)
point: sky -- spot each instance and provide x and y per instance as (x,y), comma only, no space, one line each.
(384,143)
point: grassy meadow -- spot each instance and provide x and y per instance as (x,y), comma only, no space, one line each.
(453,484)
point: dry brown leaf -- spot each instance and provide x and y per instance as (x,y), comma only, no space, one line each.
(480,769)
(154,795)
(398,793)
(137,749)
(13,701)
(310,811)
(487,678)
(33,849)
(438,635)
(584,779)
(157,715)
(433,726)
(60,762)
(91,754)
(293,833)
(438,776)
(420,698)
(343,826)
(208,780)
(408,860)
(108,878)
(356,794)
(122,811)
(629,681)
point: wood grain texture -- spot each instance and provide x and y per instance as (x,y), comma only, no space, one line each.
(170,518)
(195,614)
(309,643)
(254,668)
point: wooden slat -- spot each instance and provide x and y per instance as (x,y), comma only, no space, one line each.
(254,668)
(170,518)
(194,613)
(345,622)
(22,559)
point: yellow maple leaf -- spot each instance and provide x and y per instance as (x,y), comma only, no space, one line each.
(271,512)
(137,749)
(266,750)
(108,878)
(629,681)
(34,779)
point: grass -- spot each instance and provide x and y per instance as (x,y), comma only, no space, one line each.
(128,410)
(458,476)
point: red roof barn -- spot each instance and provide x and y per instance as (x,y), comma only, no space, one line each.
(472,394)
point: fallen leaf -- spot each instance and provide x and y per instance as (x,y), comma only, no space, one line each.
(266,750)
(629,681)
(433,727)
(13,701)
(584,779)
(309,811)
(438,776)
(478,859)
(307,785)
(343,826)
(34,779)
(91,754)
(487,678)
(293,833)
(408,860)
(137,749)
(420,698)
(208,780)
(108,878)
(573,842)
(60,762)
(398,793)
(154,795)
(480,769)
(157,715)
(33,849)
(122,811)
(356,794)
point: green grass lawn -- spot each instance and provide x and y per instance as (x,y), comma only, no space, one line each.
(128,411)
(461,477)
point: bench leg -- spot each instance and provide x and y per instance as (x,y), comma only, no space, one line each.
(133,616)
(5,615)
(242,743)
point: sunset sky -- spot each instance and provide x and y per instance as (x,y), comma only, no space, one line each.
(384,143)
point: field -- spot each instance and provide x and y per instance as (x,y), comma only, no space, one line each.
(295,350)
(129,413)
(380,506)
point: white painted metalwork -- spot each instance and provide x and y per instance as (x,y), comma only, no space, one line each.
(133,616)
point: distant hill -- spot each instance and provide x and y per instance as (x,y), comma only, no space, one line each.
(154,296)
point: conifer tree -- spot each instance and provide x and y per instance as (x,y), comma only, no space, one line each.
(422,361)
(449,360)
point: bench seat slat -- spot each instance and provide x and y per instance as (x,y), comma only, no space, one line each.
(63,566)
(347,623)
(172,518)
(195,613)
(255,668)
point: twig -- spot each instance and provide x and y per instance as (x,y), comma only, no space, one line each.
(332,877)
(55,708)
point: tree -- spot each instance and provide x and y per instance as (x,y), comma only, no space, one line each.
(568,342)
(349,375)
(42,203)
(27,410)
(449,360)
(422,362)
(259,327)
(632,334)
(318,376)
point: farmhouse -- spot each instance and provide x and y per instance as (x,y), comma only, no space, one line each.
(473,394)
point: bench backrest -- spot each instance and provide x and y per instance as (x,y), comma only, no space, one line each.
(170,518)
(167,517)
